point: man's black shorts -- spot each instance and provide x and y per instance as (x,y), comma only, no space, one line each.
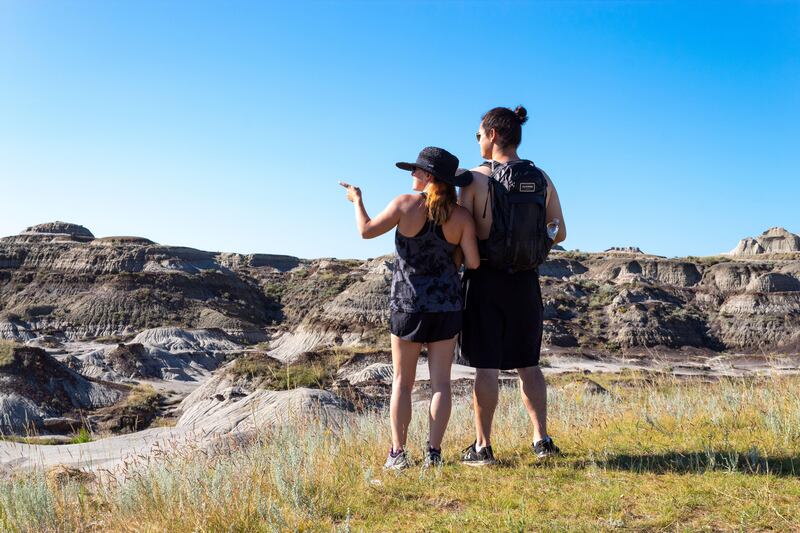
(425,327)
(502,319)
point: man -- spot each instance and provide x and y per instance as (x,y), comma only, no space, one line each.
(503,307)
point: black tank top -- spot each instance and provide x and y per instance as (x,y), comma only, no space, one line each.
(425,278)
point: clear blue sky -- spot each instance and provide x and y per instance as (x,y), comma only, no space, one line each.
(673,126)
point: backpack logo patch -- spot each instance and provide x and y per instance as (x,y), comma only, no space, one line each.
(527,187)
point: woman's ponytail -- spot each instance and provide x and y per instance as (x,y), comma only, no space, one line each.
(440,200)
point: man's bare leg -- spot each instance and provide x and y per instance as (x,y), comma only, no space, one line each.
(484,401)
(534,395)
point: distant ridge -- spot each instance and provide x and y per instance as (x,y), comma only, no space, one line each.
(775,240)
(57,230)
(624,250)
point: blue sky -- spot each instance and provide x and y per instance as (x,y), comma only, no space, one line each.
(672,126)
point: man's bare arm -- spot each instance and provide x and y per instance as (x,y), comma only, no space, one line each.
(466,196)
(553,206)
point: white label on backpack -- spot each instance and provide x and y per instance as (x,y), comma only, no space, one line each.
(527,187)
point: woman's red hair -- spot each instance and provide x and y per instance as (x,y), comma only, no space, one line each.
(440,200)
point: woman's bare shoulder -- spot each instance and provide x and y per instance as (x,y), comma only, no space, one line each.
(406,200)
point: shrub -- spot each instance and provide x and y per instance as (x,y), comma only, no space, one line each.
(7,352)
(82,437)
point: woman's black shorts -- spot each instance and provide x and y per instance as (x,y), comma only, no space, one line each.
(502,319)
(425,327)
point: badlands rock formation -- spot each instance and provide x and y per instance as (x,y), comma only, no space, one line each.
(125,308)
(95,314)
(168,353)
(36,391)
(67,283)
(80,289)
(773,241)
(236,403)
(56,231)
(624,250)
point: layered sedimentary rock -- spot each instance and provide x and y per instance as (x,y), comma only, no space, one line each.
(773,241)
(81,287)
(118,287)
(234,402)
(55,231)
(35,389)
(170,354)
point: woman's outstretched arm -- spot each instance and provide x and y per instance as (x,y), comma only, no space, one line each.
(372,227)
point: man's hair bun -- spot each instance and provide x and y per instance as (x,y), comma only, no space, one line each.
(506,123)
(522,114)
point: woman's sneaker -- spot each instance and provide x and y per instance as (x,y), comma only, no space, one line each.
(433,457)
(473,457)
(397,460)
(545,448)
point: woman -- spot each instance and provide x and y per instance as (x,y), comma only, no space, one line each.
(426,305)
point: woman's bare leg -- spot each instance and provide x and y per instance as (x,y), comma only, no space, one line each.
(404,362)
(440,360)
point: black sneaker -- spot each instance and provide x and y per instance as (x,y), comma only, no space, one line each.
(472,457)
(545,448)
(433,457)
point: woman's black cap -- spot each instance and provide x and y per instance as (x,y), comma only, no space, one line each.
(441,164)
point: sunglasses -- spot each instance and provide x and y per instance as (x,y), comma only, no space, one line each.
(478,136)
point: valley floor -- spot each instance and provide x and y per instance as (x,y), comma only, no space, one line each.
(645,451)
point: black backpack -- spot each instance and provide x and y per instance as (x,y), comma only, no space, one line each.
(518,238)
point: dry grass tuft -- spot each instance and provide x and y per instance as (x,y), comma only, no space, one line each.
(7,352)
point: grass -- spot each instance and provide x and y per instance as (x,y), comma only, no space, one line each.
(653,454)
(274,375)
(82,437)
(7,352)
(709,261)
(142,397)
(602,296)
(29,440)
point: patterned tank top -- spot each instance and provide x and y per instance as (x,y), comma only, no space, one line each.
(425,278)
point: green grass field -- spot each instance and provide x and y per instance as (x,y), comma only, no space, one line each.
(654,454)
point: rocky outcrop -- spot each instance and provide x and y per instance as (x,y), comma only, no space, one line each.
(169,354)
(35,387)
(55,231)
(85,289)
(624,250)
(355,313)
(375,372)
(662,271)
(773,241)
(231,402)
(559,267)
(122,241)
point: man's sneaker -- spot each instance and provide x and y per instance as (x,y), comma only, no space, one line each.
(472,457)
(397,460)
(433,457)
(545,448)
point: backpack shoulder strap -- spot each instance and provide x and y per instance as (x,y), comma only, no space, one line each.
(491,166)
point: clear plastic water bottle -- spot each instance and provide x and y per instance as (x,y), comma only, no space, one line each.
(552,228)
